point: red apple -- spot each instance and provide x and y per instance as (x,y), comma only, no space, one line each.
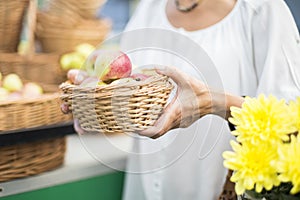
(109,65)
(14,96)
(32,90)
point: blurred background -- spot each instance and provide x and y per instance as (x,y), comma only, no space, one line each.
(119,11)
(294,6)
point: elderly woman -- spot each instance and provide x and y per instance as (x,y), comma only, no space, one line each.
(255,47)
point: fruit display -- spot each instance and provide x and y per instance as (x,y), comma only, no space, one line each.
(25,109)
(12,88)
(76,59)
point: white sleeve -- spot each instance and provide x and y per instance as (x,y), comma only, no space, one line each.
(276,47)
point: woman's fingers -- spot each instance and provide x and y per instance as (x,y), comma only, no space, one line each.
(179,77)
(162,125)
(64,108)
(77,77)
(167,121)
(184,108)
(77,127)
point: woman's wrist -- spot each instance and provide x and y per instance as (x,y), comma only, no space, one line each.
(232,100)
(222,102)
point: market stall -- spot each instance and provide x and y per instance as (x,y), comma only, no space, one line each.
(40,153)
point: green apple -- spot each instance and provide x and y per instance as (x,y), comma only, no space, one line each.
(65,61)
(85,49)
(101,83)
(12,83)
(72,60)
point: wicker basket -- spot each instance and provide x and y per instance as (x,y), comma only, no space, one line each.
(79,8)
(45,110)
(62,34)
(41,68)
(48,21)
(31,158)
(27,113)
(11,18)
(121,108)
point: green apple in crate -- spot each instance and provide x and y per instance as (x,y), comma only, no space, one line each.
(13,89)
(73,60)
(85,49)
(76,59)
(12,83)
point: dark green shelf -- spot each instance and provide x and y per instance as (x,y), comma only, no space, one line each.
(105,187)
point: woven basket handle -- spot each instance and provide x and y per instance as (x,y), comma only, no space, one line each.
(31,25)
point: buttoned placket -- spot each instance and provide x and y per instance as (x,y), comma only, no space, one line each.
(157,185)
(158,178)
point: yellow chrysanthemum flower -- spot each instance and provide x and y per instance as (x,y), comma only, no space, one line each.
(253,166)
(289,163)
(262,120)
(295,109)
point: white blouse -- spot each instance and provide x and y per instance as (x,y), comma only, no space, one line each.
(255,49)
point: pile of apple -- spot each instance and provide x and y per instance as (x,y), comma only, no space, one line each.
(12,88)
(76,59)
(109,67)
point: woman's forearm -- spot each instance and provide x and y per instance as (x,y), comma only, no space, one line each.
(232,100)
(212,101)
(222,102)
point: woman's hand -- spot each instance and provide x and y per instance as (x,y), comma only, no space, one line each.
(77,77)
(192,101)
